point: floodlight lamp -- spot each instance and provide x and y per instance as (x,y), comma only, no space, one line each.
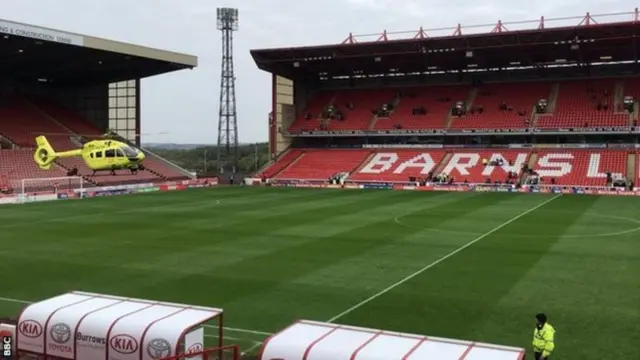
(227,19)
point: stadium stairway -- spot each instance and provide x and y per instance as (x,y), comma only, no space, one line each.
(576,106)
(467,165)
(520,98)
(445,160)
(18,164)
(437,101)
(163,167)
(322,164)
(398,165)
(632,170)
(579,167)
(286,159)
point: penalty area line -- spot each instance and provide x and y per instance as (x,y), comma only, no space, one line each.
(231,329)
(451,254)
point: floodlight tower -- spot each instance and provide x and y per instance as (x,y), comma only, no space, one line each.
(227,117)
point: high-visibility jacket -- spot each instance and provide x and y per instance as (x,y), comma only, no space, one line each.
(543,340)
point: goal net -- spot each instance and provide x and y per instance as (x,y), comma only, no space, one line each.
(29,188)
(231,352)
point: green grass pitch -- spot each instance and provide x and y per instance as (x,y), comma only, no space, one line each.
(271,256)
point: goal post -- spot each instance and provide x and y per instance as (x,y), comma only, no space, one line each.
(42,186)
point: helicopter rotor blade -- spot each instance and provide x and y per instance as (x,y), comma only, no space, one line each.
(93,135)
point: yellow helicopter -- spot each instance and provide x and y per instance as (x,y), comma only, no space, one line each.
(100,155)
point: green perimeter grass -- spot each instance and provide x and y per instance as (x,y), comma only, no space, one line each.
(271,256)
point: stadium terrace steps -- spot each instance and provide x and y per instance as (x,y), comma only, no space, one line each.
(570,103)
(364,103)
(468,165)
(568,167)
(437,101)
(580,167)
(26,122)
(553,98)
(18,164)
(577,106)
(322,164)
(518,97)
(399,165)
(631,167)
(364,162)
(315,107)
(285,162)
(637,170)
(442,163)
(163,167)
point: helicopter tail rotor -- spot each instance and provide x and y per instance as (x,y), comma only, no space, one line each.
(44,155)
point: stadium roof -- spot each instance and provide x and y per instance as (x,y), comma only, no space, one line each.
(585,39)
(31,53)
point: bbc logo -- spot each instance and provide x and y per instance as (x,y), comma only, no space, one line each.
(7,345)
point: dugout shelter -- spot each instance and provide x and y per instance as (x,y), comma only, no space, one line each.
(311,340)
(85,326)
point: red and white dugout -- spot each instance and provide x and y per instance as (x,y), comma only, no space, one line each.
(82,326)
(311,340)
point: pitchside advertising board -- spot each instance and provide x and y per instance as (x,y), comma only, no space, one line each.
(73,326)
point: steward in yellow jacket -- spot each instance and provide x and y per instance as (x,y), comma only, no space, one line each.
(543,338)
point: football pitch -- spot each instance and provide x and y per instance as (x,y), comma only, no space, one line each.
(474,266)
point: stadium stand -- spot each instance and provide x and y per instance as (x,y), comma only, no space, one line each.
(587,103)
(322,164)
(79,93)
(468,165)
(565,167)
(577,104)
(398,165)
(282,162)
(580,167)
(437,102)
(503,106)
(18,164)
(24,119)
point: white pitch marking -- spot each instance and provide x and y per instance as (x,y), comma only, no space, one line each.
(454,252)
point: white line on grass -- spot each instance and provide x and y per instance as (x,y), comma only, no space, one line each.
(454,252)
(246,331)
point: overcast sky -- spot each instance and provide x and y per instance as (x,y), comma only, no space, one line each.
(185,103)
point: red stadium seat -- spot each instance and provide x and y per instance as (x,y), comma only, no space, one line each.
(580,167)
(16,165)
(576,106)
(280,164)
(468,165)
(399,165)
(322,164)
(437,101)
(519,98)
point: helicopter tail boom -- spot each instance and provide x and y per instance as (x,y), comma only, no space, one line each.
(44,155)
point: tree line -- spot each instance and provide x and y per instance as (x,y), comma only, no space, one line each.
(203,160)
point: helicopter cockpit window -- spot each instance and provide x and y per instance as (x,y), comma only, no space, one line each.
(109,153)
(119,153)
(129,151)
(99,154)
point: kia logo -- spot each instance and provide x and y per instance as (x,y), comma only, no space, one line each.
(124,344)
(30,328)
